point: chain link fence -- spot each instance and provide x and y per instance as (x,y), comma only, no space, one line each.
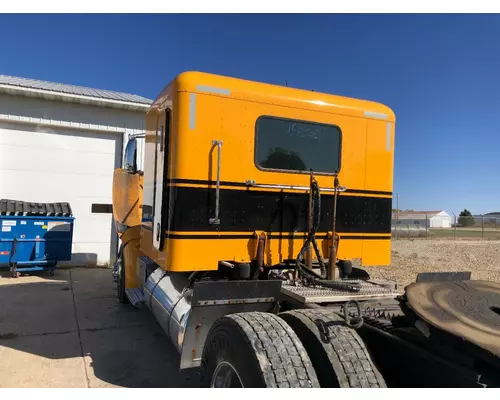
(424,225)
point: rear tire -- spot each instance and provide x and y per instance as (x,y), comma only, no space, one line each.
(338,354)
(260,348)
(120,284)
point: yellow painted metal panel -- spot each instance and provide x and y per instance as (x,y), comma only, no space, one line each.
(379,155)
(376,252)
(209,107)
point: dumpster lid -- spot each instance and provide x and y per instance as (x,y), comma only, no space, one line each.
(16,207)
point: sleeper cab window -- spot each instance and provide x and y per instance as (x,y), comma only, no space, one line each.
(297,146)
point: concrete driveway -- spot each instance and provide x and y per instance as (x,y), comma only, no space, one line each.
(69,331)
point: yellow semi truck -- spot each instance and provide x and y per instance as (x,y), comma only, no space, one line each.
(240,230)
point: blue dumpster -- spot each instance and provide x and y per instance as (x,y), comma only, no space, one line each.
(34,236)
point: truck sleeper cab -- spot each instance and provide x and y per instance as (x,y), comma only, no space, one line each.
(248,191)
(227,159)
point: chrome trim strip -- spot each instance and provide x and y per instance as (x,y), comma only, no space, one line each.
(377,115)
(214,90)
(236,301)
(192,111)
(252,183)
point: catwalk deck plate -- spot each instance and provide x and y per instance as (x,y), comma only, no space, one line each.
(370,290)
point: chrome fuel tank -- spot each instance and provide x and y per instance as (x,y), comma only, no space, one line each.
(169,299)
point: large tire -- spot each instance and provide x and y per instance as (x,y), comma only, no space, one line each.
(338,354)
(120,284)
(261,348)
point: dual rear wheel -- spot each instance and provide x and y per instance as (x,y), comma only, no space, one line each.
(255,350)
(303,348)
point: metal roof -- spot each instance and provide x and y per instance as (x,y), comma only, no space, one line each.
(417,214)
(86,95)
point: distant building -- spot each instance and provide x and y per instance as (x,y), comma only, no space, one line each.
(488,218)
(429,219)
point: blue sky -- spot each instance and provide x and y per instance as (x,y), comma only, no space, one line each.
(439,73)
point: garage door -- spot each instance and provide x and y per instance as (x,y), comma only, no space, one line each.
(51,165)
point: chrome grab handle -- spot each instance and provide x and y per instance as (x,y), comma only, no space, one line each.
(252,183)
(216,220)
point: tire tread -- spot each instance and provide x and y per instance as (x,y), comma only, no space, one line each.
(290,365)
(346,352)
(280,359)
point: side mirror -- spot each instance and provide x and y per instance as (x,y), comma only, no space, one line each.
(130,158)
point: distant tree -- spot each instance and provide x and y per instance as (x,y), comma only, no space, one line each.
(465,218)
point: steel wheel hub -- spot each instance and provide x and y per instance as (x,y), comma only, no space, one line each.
(225,376)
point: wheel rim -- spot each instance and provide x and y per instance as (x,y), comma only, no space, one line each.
(225,376)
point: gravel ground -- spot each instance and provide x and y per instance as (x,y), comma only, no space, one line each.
(410,257)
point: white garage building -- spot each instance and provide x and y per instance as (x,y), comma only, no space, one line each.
(61,143)
(429,219)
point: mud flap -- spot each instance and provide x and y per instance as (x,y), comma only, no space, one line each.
(212,300)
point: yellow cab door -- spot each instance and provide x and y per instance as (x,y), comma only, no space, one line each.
(160,201)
